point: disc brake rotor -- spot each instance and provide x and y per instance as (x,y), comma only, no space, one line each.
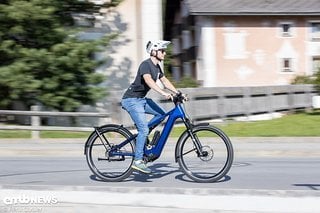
(207,153)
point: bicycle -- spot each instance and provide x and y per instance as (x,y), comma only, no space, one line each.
(204,152)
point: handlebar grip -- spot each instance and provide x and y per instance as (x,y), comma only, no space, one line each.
(179,98)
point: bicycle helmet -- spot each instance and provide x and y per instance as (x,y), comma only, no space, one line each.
(156,45)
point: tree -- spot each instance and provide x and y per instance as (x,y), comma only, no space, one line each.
(185,81)
(317,81)
(313,79)
(41,58)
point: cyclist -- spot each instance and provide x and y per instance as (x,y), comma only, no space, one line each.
(134,100)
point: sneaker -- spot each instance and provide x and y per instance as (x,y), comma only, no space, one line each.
(141,166)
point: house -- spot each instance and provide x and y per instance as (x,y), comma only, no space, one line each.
(244,42)
(137,21)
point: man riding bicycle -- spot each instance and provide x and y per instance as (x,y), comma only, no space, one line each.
(134,100)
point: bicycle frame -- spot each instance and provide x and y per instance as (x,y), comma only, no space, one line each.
(155,151)
(103,145)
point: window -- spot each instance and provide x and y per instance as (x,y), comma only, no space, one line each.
(315,31)
(286,65)
(286,29)
(235,45)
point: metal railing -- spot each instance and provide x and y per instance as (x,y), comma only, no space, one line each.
(229,102)
(204,104)
(35,124)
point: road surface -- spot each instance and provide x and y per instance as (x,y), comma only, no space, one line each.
(268,175)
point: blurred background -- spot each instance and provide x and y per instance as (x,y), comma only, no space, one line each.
(241,58)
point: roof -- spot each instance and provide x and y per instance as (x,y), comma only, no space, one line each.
(253,7)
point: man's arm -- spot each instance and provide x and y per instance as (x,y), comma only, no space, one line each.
(152,84)
(168,85)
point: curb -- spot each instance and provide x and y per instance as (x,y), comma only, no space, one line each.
(243,147)
(113,199)
(167,190)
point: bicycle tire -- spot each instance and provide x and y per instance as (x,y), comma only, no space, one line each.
(216,144)
(112,169)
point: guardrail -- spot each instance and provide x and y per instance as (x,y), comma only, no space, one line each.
(204,104)
(229,102)
(36,127)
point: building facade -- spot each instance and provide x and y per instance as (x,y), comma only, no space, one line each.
(137,22)
(244,43)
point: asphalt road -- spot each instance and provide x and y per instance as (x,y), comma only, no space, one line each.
(259,163)
(246,173)
(282,168)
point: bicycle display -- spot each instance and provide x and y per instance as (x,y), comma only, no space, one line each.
(204,152)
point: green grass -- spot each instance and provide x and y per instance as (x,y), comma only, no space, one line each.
(63,134)
(15,134)
(43,134)
(293,125)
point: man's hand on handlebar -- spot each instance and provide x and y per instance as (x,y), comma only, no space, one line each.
(168,96)
(185,96)
(179,97)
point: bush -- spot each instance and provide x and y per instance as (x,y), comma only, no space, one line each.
(317,81)
(186,82)
(303,79)
(314,79)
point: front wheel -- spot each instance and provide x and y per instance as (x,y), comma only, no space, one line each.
(213,161)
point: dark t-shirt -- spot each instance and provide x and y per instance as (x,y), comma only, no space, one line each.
(139,88)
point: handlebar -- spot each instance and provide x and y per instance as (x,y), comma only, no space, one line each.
(179,98)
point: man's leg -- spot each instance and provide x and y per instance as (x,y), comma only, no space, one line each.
(136,109)
(154,109)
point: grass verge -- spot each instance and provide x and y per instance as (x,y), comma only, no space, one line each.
(293,125)
(302,124)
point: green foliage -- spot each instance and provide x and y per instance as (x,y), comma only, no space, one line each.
(293,125)
(41,59)
(184,82)
(303,79)
(15,134)
(299,124)
(63,134)
(317,81)
(314,79)
(303,124)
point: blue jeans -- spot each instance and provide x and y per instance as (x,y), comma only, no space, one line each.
(138,108)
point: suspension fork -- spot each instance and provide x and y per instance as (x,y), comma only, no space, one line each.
(193,137)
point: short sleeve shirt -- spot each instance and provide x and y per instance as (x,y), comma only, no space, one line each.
(139,88)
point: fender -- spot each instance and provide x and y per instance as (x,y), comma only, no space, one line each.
(115,126)
(186,132)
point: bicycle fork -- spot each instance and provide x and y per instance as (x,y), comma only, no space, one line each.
(196,142)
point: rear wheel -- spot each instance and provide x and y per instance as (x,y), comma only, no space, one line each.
(215,159)
(110,165)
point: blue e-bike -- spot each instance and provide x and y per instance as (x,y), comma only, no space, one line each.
(203,152)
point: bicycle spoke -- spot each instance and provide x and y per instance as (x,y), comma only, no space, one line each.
(189,151)
(215,158)
(103,139)
(106,161)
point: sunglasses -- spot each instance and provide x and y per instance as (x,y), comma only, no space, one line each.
(162,50)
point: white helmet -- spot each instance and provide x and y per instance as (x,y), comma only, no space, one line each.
(156,45)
